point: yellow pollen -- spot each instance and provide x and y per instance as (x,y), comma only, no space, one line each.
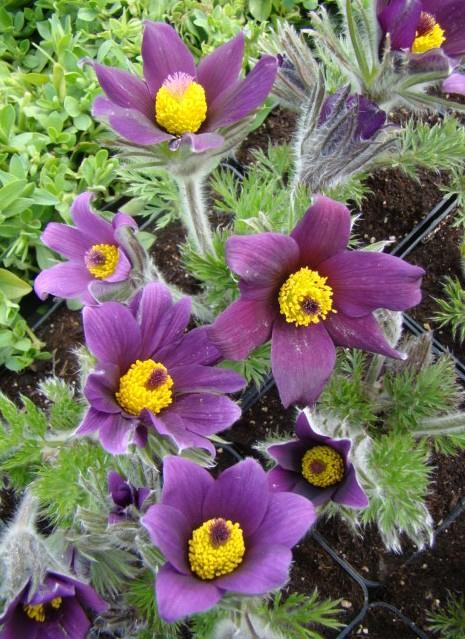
(145,385)
(56,603)
(322,466)
(305,298)
(180,104)
(37,611)
(430,36)
(101,260)
(216,548)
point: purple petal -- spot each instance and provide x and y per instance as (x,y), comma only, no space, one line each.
(244,97)
(170,329)
(196,378)
(119,489)
(100,389)
(163,54)
(400,18)
(211,70)
(185,485)
(115,434)
(18,626)
(205,413)
(451,17)
(318,496)
(52,587)
(112,334)
(170,531)
(94,228)
(124,89)
(68,280)
(240,494)
(243,326)
(181,595)
(91,422)
(89,598)
(350,493)
(73,620)
(171,425)
(265,568)
(302,360)
(359,332)
(65,240)
(280,480)
(154,317)
(287,520)
(323,232)
(122,219)
(194,347)
(455,83)
(305,431)
(289,455)
(364,281)
(200,142)
(262,261)
(122,270)
(129,123)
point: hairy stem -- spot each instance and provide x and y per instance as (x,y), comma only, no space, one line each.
(194,213)
(250,626)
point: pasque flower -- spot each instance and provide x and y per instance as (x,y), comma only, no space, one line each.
(150,373)
(309,294)
(93,252)
(317,467)
(124,496)
(232,534)
(57,609)
(177,101)
(433,31)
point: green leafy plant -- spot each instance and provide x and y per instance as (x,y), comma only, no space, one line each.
(449,621)
(451,311)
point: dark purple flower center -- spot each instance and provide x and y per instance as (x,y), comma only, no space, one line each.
(95,258)
(156,379)
(310,307)
(317,466)
(219,532)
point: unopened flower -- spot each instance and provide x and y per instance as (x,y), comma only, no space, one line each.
(177,101)
(231,534)
(309,294)
(317,467)
(339,135)
(124,496)
(92,249)
(431,32)
(150,373)
(56,609)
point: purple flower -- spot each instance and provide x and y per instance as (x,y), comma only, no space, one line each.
(178,100)
(432,31)
(93,252)
(150,373)
(231,534)
(124,495)
(309,294)
(370,118)
(55,610)
(316,467)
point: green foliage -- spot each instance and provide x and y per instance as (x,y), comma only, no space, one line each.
(141,596)
(399,466)
(440,147)
(256,367)
(65,408)
(204,624)
(452,308)
(297,615)
(416,395)
(449,622)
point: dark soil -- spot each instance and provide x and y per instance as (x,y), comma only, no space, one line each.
(439,255)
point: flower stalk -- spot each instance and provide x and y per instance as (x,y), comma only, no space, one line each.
(194,213)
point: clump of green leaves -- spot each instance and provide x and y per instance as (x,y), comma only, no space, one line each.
(449,622)
(451,311)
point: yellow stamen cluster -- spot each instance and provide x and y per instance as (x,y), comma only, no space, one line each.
(145,385)
(101,260)
(430,37)
(180,105)
(216,548)
(322,466)
(37,612)
(305,298)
